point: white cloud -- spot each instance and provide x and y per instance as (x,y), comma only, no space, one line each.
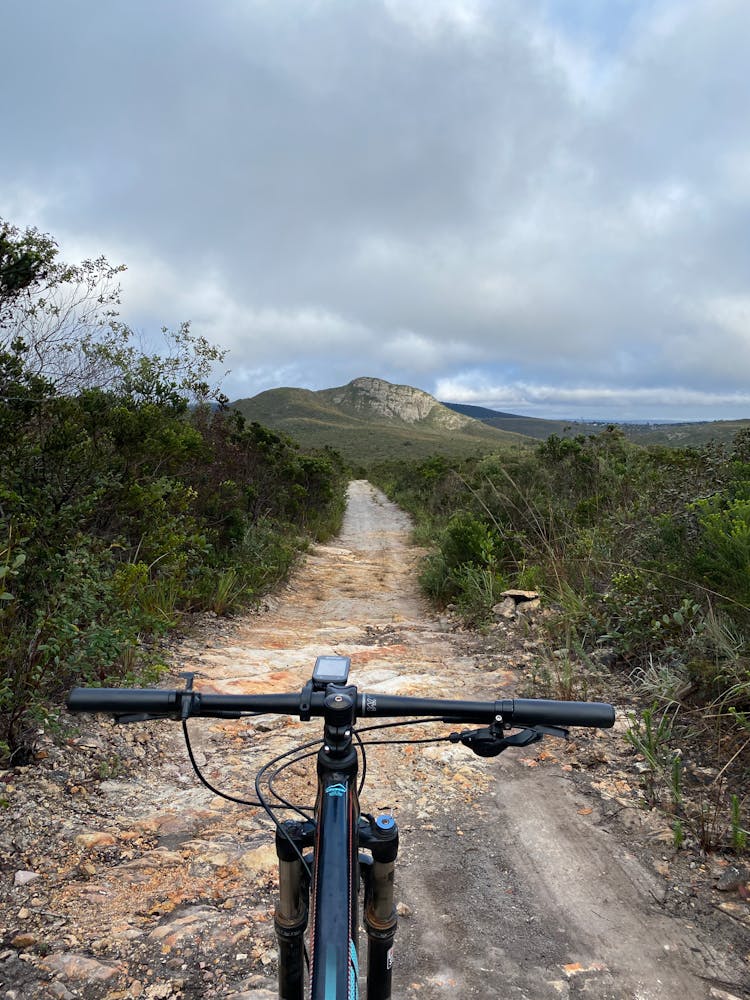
(431,18)
(409,350)
(543,194)
(22,204)
(658,209)
(732,313)
(582,400)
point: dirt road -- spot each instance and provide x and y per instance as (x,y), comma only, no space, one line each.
(511,883)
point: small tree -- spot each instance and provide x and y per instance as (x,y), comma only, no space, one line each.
(56,312)
(62,320)
(27,262)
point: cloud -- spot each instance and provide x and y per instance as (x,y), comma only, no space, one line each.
(428,19)
(539,194)
(589,402)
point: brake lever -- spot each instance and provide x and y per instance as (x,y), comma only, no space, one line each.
(492,741)
(186,703)
(187,700)
(562,734)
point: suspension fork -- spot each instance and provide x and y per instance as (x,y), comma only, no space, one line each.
(290,917)
(380,835)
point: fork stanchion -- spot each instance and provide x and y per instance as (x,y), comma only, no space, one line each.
(290,916)
(380,918)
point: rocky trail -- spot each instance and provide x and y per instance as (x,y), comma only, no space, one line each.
(532,875)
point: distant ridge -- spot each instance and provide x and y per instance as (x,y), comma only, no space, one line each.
(376,399)
(534,427)
(687,434)
(369,420)
(481,412)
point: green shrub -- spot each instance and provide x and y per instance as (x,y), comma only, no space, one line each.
(466,540)
(436,579)
(478,589)
(722,556)
(121,506)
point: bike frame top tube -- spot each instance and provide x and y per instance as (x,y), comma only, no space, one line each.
(334,969)
(334,972)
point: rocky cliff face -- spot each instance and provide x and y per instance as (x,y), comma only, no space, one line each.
(375,398)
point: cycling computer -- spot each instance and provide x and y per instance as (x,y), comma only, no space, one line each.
(330,670)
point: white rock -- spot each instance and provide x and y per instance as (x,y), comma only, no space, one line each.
(23,878)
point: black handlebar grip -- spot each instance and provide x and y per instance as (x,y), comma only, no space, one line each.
(532,712)
(122,701)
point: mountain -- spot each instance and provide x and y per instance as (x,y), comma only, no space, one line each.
(371,420)
(375,399)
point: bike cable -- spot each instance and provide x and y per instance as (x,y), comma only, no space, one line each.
(269,809)
(401,722)
(363,755)
(205,781)
(387,743)
(393,725)
(304,811)
(293,756)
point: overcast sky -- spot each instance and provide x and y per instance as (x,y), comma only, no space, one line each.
(541,206)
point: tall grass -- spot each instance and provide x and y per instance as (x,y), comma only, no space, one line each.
(619,539)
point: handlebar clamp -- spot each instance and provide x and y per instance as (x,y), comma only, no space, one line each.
(186,701)
(305,700)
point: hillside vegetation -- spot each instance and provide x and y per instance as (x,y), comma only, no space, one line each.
(370,420)
(688,435)
(642,558)
(126,500)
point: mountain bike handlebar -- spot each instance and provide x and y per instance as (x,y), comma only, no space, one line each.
(148,703)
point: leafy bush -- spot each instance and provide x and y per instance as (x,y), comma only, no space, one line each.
(464,568)
(466,539)
(123,507)
(722,557)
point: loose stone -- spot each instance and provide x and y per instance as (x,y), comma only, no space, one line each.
(24,877)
